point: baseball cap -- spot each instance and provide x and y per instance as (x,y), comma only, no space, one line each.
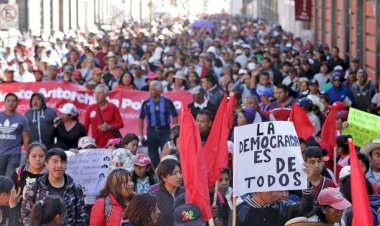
(268,92)
(243,72)
(332,197)
(313,82)
(197,90)
(69,109)
(187,215)
(142,160)
(86,141)
(69,68)
(345,171)
(114,141)
(305,102)
(6,184)
(343,114)
(338,106)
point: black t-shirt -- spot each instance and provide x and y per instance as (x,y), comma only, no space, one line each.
(69,139)
(56,191)
(25,178)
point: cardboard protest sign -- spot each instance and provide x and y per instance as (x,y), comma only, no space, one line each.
(267,157)
(362,126)
(89,168)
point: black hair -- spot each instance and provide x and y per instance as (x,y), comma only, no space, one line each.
(342,142)
(313,152)
(364,159)
(284,87)
(10,95)
(6,184)
(211,79)
(31,146)
(149,173)
(227,171)
(44,211)
(345,187)
(56,151)
(318,212)
(129,138)
(165,168)
(207,113)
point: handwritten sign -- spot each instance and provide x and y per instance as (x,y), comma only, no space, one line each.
(362,126)
(267,157)
(89,168)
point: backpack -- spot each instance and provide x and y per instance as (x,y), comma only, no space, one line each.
(107,208)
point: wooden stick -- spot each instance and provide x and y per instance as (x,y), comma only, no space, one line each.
(215,193)
(336,176)
(234,211)
(211,222)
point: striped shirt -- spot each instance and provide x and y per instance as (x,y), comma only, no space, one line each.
(157,113)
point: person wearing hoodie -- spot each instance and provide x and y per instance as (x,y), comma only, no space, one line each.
(40,118)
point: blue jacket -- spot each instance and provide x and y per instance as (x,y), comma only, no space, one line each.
(339,95)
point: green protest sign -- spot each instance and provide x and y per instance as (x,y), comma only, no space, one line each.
(362,126)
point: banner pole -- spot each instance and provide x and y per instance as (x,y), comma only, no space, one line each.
(337,176)
(215,193)
(234,211)
(211,222)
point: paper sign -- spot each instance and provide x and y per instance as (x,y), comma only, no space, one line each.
(362,126)
(267,157)
(89,168)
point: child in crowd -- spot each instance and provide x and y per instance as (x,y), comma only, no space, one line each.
(114,143)
(27,174)
(49,211)
(143,175)
(131,142)
(56,182)
(224,185)
(313,159)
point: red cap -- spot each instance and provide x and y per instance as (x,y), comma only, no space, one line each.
(142,160)
(338,106)
(332,197)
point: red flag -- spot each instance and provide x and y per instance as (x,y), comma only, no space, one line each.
(215,149)
(360,202)
(328,133)
(213,154)
(193,164)
(301,122)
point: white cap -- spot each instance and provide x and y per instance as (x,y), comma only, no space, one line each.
(238,52)
(86,141)
(212,49)
(243,71)
(345,171)
(251,66)
(69,109)
(338,68)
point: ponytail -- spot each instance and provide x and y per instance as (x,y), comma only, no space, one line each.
(37,214)
(45,211)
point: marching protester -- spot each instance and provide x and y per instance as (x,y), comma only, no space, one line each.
(67,129)
(103,117)
(27,174)
(114,197)
(40,118)
(56,182)
(184,65)
(50,211)
(15,133)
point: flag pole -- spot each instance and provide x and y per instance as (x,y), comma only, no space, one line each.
(234,211)
(211,222)
(335,163)
(215,192)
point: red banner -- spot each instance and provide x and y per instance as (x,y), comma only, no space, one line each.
(303,10)
(58,94)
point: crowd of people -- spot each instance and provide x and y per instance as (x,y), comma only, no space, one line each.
(267,68)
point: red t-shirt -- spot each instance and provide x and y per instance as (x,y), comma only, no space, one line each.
(323,183)
(111,116)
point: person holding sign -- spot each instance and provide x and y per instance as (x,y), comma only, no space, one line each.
(265,209)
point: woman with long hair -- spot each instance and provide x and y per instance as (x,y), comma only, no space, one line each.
(68,129)
(142,211)
(48,212)
(114,197)
(27,174)
(127,82)
(170,176)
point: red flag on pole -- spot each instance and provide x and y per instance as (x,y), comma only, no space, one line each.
(301,122)
(360,202)
(328,133)
(193,164)
(215,149)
